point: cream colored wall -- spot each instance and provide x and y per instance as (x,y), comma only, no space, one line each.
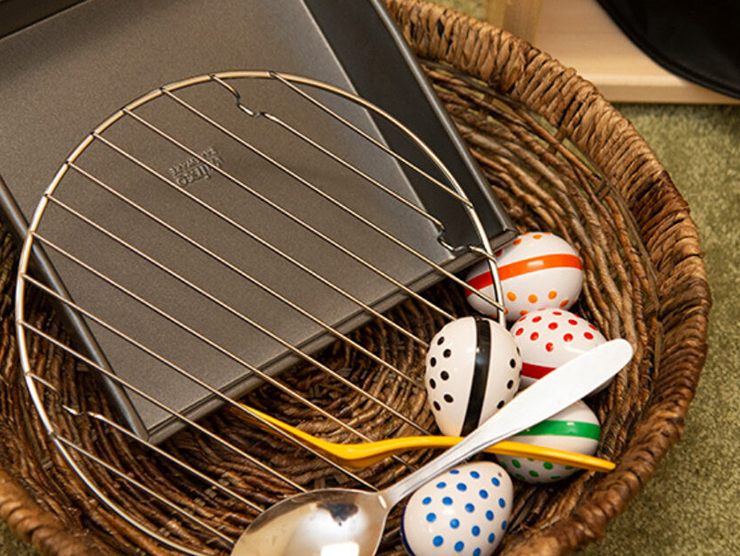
(581,35)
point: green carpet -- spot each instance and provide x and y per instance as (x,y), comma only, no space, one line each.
(692,505)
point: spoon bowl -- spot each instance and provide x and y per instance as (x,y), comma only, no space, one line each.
(346,522)
(330,522)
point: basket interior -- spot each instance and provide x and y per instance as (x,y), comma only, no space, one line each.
(546,164)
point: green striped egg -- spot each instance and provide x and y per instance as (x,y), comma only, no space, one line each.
(575,429)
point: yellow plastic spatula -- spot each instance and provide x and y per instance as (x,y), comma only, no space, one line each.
(365,454)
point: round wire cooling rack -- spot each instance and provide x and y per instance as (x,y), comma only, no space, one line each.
(201,246)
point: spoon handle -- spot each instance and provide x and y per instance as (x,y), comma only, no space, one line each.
(559,389)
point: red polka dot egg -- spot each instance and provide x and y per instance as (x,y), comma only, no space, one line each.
(537,270)
(549,338)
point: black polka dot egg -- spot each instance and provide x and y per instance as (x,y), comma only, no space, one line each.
(472,370)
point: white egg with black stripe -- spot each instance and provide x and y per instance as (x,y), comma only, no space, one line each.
(472,370)
(574,429)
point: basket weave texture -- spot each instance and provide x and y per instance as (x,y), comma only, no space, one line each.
(560,158)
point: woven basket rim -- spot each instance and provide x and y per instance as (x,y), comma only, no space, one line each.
(525,74)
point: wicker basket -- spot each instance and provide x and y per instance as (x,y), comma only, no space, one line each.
(560,158)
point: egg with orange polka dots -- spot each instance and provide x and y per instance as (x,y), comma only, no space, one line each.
(549,338)
(537,270)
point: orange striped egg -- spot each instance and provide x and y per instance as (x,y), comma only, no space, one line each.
(538,270)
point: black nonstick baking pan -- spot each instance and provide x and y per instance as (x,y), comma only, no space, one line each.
(64,74)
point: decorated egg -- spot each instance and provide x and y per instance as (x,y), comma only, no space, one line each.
(549,338)
(463,511)
(472,371)
(538,269)
(480,278)
(575,429)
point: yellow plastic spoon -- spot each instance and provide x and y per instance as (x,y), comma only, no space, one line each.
(358,456)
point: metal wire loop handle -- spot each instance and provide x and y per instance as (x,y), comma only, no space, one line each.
(59,201)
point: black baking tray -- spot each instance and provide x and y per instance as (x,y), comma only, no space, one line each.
(65,73)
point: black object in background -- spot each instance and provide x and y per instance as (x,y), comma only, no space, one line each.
(699,41)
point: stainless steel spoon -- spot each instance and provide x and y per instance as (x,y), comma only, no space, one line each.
(345,522)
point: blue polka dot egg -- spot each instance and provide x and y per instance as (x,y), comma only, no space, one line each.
(462,512)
